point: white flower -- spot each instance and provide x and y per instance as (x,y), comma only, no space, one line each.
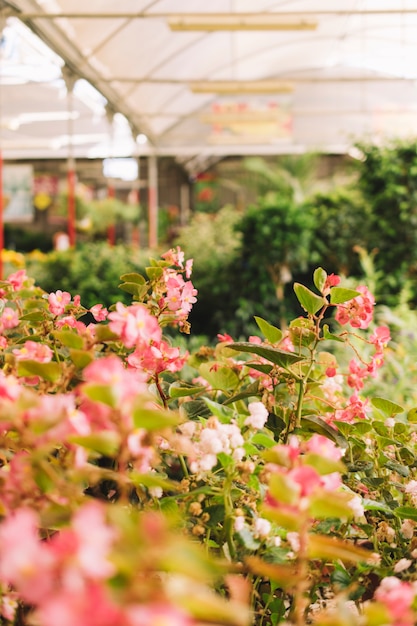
(407,528)
(294,541)
(239,523)
(258,415)
(401,565)
(262,527)
(356,505)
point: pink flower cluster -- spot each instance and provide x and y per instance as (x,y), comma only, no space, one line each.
(357,312)
(180,295)
(358,373)
(139,329)
(398,597)
(65,577)
(301,479)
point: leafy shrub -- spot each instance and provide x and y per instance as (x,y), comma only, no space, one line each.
(92,270)
(255,486)
(214,244)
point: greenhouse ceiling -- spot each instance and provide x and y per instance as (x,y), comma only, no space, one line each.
(200,80)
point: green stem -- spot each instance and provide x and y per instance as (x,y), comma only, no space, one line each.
(300,599)
(228,521)
(183,465)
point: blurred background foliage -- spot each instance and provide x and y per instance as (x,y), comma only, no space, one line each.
(246,257)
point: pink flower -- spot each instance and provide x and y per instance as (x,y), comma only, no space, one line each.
(25,562)
(188,297)
(332,280)
(99,312)
(134,325)
(174,257)
(356,375)
(188,268)
(318,444)
(356,409)
(359,311)
(17,279)
(225,338)
(9,319)
(306,478)
(157,358)
(398,597)
(9,387)
(58,301)
(34,351)
(89,605)
(87,542)
(163,614)
(72,322)
(380,337)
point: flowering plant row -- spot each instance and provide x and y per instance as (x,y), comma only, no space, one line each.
(248,483)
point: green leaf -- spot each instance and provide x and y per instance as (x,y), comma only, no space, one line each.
(283,489)
(323,547)
(248,392)
(248,539)
(219,377)
(34,316)
(106,442)
(386,406)
(271,333)
(285,575)
(274,355)
(154,272)
(48,371)
(309,300)
(338,295)
(412,416)
(153,480)
(402,470)
(69,338)
(133,277)
(317,425)
(223,413)
(375,505)
(406,512)
(81,358)
(324,465)
(319,278)
(103,333)
(100,393)
(134,289)
(336,504)
(260,439)
(284,516)
(196,408)
(180,389)
(149,418)
(330,336)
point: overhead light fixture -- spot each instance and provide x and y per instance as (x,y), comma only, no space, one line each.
(235,87)
(238,21)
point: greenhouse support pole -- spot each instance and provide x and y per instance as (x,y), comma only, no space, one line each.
(153,201)
(70,80)
(71,202)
